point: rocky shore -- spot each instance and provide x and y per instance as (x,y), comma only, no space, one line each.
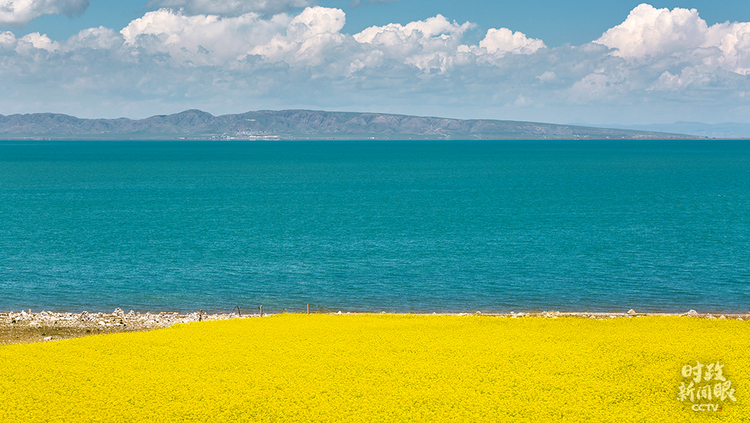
(26,326)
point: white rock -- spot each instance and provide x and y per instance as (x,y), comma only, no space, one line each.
(47,338)
(692,313)
(631,312)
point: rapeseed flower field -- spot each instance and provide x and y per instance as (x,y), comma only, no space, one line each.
(388,368)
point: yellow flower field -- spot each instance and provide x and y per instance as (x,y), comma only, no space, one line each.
(372,368)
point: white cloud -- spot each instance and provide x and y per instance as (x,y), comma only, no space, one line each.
(314,21)
(394,33)
(100,38)
(428,44)
(308,38)
(214,40)
(648,31)
(7,39)
(733,41)
(680,37)
(503,40)
(669,82)
(201,39)
(597,85)
(650,34)
(36,41)
(229,7)
(18,13)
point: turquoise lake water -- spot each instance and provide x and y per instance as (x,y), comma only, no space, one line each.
(376,226)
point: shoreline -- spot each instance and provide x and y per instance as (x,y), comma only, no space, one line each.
(44,326)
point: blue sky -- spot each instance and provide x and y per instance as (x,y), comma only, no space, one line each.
(596,62)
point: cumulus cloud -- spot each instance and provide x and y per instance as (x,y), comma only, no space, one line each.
(7,39)
(229,7)
(312,38)
(733,41)
(201,39)
(688,76)
(100,38)
(680,36)
(37,41)
(503,40)
(302,40)
(429,44)
(308,39)
(648,31)
(17,13)
(434,28)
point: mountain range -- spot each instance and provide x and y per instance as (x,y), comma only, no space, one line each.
(298,125)
(724,130)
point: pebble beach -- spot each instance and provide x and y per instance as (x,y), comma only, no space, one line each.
(43,326)
(27,326)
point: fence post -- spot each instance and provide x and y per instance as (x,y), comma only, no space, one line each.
(261,311)
(308,308)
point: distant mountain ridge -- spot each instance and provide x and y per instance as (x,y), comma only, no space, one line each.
(299,124)
(731,130)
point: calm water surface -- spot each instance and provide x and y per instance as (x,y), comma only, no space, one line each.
(371,226)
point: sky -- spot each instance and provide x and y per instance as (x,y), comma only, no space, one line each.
(591,62)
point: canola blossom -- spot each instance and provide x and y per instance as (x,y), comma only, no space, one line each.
(390,368)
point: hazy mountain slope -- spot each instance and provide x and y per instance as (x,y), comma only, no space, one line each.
(698,129)
(298,124)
